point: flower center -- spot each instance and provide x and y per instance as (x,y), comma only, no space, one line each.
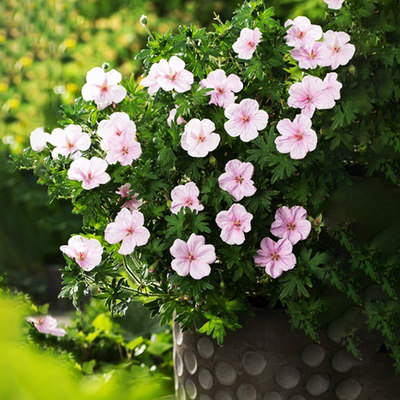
(191,257)
(130,230)
(245,118)
(173,76)
(118,132)
(239,179)
(237,224)
(220,90)
(309,99)
(89,176)
(300,34)
(104,87)
(291,226)
(274,256)
(251,44)
(125,151)
(81,256)
(189,202)
(336,49)
(312,55)
(201,138)
(70,145)
(298,136)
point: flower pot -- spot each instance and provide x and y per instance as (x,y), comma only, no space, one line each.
(266,360)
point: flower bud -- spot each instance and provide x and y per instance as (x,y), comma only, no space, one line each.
(105,66)
(143,20)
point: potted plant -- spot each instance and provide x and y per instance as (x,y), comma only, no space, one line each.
(204,190)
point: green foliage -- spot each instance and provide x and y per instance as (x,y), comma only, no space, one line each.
(30,373)
(356,140)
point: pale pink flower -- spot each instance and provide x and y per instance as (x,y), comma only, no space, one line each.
(223,87)
(103,88)
(133,202)
(301,32)
(297,137)
(234,223)
(92,173)
(334,4)
(39,139)
(245,120)
(86,252)
(310,56)
(332,86)
(309,95)
(336,49)
(69,141)
(151,80)
(128,228)
(47,325)
(276,257)
(186,196)
(247,42)
(123,149)
(173,75)
(172,118)
(199,138)
(291,224)
(118,124)
(192,257)
(237,179)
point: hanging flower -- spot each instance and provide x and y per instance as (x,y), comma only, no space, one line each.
(186,196)
(297,137)
(192,257)
(234,223)
(47,325)
(223,88)
(172,118)
(38,139)
(86,252)
(334,4)
(247,42)
(301,32)
(199,137)
(237,179)
(275,257)
(69,141)
(103,87)
(291,224)
(133,202)
(310,56)
(245,120)
(92,173)
(337,49)
(129,230)
(331,85)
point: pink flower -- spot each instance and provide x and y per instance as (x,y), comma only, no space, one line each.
(237,179)
(192,257)
(123,149)
(103,88)
(186,196)
(39,139)
(291,224)
(151,80)
(247,42)
(86,252)
(118,124)
(309,95)
(199,137)
(69,141)
(172,118)
(310,56)
(334,4)
(297,137)
(332,86)
(336,49)
(302,32)
(276,257)
(234,223)
(223,87)
(92,173)
(174,76)
(128,228)
(133,203)
(245,120)
(47,325)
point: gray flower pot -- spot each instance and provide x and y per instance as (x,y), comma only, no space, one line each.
(266,360)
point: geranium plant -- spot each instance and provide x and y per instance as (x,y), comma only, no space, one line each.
(204,185)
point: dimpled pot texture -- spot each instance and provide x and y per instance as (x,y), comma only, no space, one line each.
(266,360)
